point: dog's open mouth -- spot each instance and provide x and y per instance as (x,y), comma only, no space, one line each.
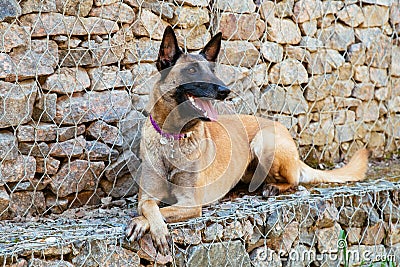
(204,106)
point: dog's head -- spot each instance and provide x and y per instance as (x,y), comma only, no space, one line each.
(188,82)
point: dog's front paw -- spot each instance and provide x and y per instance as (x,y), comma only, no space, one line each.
(137,228)
(161,238)
(270,190)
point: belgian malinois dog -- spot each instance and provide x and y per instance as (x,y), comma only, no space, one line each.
(191,157)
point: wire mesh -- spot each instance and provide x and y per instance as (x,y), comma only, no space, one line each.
(74,84)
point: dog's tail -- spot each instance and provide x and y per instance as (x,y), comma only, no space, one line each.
(354,171)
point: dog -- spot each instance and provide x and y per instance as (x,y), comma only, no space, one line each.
(192,157)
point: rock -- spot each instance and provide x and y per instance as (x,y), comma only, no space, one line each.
(375,16)
(130,128)
(41,58)
(55,204)
(4,202)
(17,102)
(233,230)
(319,87)
(163,9)
(318,134)
(69,148)
(337,37)
(394,104)
(85,198)
(264,256)
(344,133)
(32,6)
(186,236)
(66,133)
(107,51)
(194,2)
(308,28)
(235,6)
(109,2)
(141,50)
(145,76)
(300,256)
(109,77)
(47,165)
(49,24)
(284,100)
(283,31)
(99,151)
(326,21)
(194,38)
(352,216)
(67,81)
(12,35)
(395,64)
(148,252)
(232,253)
(328,214)
(24,203)
(361,74)
(284,242)
(378,76)
(394,14)
(127,162)
(189,17)
(75,57)
(109,134)
(17,170)
(267,10)
(76,176)
(311,44)
(356,54)
(9,9)
(305,10)
(213,232)
(345,71)
(109,106)
(393,234)
(118,12)
(342,88)
(37,149)
(375,140)
(241,26)
(352,15)
(123,187)
(79,8)
(288,72)
(363,91)
(149,25)
(284,8)
(298,53)
(45,107)
(358,254)
(324,61)
(271,51)
(381,94)
(238,53)
(344,116)
(8,146)
(379,52)
(327,239)
(353,235)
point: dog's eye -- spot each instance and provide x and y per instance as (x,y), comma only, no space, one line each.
(191,70)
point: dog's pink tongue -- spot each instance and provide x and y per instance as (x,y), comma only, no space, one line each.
(207,106)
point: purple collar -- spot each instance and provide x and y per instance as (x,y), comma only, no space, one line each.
(175,136)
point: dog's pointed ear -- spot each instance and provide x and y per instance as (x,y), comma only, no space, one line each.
(169,50)
(211,50)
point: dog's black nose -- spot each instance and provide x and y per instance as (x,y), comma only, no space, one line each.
(222,92)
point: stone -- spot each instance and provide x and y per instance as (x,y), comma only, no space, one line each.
(356,54)
(353,235)
(352,15)
(326,21)
(394,104)
(45,107)
(319,87)
(352,216)
(24,203)
(9,9)
(283,31)
(393,234)
(75,57)
(163,9)
(288,72)
(305,10)
(141,50)
(235,6)
(31,6)
(109,2)
(66,133)
(337,37)
(99,151)
(375,140)
(233,230)
(368,35)
(186,236)
(361,74)
(12,35)
(259,74)
(40,58)
(17,170)
(130,128)
(264,256)
(379,52)
(241,26)
(284,242)
(109,77)
(375,16)
(109,106)
(311,44)
(318,134)
(394,13)
(16,103)
(126,163)
(76,176)
(363,91)
(271,51)
(109,134)
(194,38)
(213,232)
(49,24)
(395,64)
(361,254)
(47,165)
(381,94)
(189,17)
(123,187)
(328,214)
(118,12)
(67,81)
(145,76)
(150,25)
(380,2)
(69,148)
(345,72)
(4,202)
(37,149)
(238,53)
(55,204)
(309,28)
(284,8)
(298,53)
(378,77)
(301,255)
(327,238)
(349,132)
(203,3)
(79,8)
(8,145)
(267,10)
(232,253)
(342,88)
(85,198)
(344,116)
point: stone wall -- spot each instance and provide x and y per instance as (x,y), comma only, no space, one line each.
(73,76)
